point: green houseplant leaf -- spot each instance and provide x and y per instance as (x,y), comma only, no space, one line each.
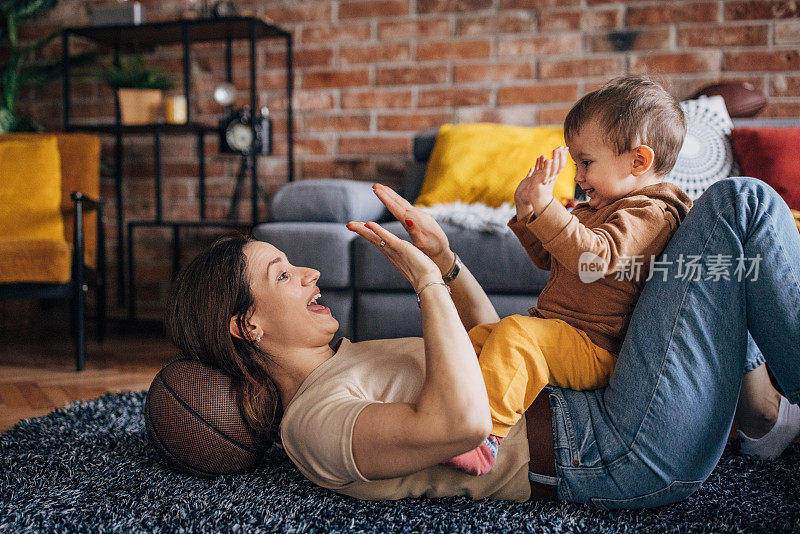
(131,73)
(15,68)
(19,67)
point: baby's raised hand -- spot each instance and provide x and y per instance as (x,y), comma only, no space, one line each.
(535,191)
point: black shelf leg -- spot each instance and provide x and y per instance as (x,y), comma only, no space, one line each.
(118,154)
(176,249)
(201,173)
(65,82)
(228,61)
(187,71)
(131,276)
(289,107)
(157,175)
(254,112)
(120,219)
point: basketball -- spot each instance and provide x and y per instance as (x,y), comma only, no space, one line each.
(741,99)
(193,420)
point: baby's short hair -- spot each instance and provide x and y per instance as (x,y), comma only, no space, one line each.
(634,110)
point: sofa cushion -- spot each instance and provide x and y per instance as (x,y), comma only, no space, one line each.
(30,189)
(497,261)
(386,315)
(34,260)
(326,200)
(80,171)
(485,162)
(773,155)
(322,246)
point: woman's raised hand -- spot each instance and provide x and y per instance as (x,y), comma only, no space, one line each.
(412,263)
(423,229)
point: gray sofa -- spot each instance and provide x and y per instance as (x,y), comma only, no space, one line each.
(365,293)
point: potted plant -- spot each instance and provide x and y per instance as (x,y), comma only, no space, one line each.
(21,64)
(140,89)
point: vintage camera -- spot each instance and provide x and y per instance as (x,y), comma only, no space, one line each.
(236,136)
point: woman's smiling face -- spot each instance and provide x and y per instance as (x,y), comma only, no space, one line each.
(285,308)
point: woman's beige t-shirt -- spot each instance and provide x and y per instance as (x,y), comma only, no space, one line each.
(317,427)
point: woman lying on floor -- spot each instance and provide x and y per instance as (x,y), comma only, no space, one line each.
(374,419)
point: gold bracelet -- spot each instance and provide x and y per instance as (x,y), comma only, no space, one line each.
(419,302)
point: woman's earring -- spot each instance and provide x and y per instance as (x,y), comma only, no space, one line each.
(258,339)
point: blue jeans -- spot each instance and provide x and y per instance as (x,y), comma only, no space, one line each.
(657,431)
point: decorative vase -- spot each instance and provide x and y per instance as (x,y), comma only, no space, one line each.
(140,106)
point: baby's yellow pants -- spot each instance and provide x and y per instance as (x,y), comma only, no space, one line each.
(520,355)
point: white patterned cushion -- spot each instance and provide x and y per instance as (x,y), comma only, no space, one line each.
(707,154)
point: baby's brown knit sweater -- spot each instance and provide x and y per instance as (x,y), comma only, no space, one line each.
(622,234)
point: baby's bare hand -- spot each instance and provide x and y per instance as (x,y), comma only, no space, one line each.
(535,191)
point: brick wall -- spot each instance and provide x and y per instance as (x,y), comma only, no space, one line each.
(371,73)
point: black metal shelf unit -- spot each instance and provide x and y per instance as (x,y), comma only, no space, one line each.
(142,38)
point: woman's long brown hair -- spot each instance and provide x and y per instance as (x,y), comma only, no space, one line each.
(206,294)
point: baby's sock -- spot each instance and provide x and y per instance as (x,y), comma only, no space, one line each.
(774,442)
(479,460)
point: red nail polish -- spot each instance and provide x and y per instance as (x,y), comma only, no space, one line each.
(409,222)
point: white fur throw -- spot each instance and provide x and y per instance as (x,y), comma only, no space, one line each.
(478,217)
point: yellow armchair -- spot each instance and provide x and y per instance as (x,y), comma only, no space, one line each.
(51,228)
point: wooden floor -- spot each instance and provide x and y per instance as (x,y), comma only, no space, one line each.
(37,368)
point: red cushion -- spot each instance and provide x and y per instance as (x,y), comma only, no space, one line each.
(773,155)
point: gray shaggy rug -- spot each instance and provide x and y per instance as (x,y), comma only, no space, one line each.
(90,468)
